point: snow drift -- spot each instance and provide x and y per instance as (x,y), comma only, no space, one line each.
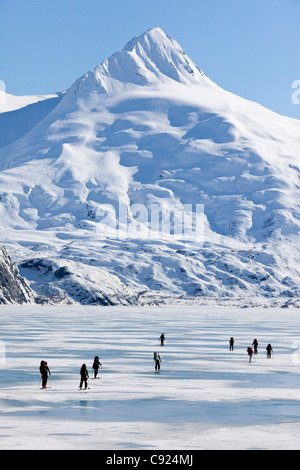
(146,127)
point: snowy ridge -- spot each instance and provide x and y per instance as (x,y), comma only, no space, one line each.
(148,127)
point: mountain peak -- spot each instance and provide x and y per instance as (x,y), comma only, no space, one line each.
(153,57)
(152,36)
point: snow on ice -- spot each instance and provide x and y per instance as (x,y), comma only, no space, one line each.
(205,397)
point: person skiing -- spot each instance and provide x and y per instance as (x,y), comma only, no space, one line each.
(250,353)
(162,339)
(157,361)
(96,365)
(255,344)
(269,351)
(84,375)
(45,372)
(231,343)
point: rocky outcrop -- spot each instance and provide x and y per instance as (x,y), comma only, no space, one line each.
(68,282)
(13,288)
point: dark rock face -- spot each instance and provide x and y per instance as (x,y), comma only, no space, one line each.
(56,281)
(13,288)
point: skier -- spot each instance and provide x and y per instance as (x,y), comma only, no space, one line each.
(45,372)
(162,339)
(231,343)
(84,375)
(255,344)
(96,366)
(157,361)
(250,353)
(269,350)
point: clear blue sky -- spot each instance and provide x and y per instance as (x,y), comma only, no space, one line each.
(249,47)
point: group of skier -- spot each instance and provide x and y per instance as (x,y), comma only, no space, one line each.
(156,356)
(252,349)
(84,373)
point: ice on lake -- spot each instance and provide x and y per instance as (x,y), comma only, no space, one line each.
(205,397)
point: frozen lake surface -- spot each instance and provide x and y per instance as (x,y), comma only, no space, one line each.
(205,397)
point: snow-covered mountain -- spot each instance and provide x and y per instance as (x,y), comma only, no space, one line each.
(148,128)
